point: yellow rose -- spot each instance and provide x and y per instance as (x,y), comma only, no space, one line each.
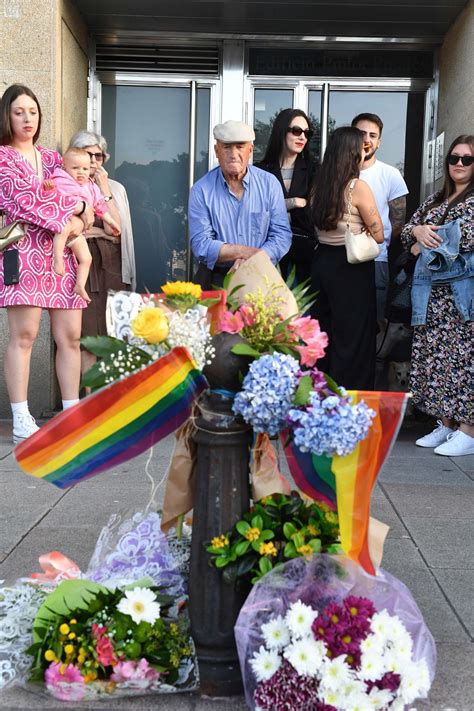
(151,324)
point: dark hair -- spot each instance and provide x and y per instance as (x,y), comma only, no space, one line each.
(448,188)
(340,164)
(11,94)
(373,118)
(277,141)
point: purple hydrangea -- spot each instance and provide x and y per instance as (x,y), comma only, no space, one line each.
(267,392)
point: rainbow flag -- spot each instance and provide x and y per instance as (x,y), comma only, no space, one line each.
(345,483)
(115,424)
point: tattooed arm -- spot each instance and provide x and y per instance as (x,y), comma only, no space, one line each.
(364,200)
(396,214)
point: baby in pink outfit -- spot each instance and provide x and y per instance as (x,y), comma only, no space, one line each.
(73,180)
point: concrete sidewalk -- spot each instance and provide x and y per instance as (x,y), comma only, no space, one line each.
(427,500)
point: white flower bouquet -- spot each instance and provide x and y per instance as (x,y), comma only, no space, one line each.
(319,634)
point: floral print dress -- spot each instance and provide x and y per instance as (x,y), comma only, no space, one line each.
(442,354)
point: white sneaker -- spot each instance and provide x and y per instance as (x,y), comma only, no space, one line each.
(457,444)
(24,425)
(439,435)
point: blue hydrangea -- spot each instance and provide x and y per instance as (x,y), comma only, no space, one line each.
(330,425)
(267,392)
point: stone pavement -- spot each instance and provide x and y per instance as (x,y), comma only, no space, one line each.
(427,500)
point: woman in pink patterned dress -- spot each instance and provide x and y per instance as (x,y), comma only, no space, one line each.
(23,167)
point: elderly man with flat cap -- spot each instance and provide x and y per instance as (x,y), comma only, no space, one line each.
(236,209)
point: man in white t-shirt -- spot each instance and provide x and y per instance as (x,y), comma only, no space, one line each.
(390,192)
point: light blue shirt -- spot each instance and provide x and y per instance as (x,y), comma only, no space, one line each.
(258,219)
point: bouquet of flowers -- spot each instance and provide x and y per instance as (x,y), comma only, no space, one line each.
(321,635)
(143,328)
(259,321)
(277,528)
(278,394)
(121,628)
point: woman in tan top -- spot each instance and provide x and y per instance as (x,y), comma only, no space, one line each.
(345,305)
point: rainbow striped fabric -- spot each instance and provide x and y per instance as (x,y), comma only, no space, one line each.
(345,483)
(115,424)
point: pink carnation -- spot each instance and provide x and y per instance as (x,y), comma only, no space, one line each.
(313,350)
(230,323)
(97,630)
(134,671)
(66,685)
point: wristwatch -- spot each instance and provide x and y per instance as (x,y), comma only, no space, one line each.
(108,197)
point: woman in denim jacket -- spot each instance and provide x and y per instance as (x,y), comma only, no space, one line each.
(441,370)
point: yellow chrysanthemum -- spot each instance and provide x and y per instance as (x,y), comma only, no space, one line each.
(251,534)
(331,517)
(50,656)
(268,549)
(182,288)
(69,649)
(305,550)
(64,628)
(151,324)
(313,530)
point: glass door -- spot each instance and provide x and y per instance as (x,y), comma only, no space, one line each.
(151,139)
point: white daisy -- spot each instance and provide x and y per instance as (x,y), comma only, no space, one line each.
(414,682)
(381,625)
(275,633)
(372,666)
(265,663)
(299,619)
(306,656)
(141,605)
(371,644)
(379,699)
(335,673)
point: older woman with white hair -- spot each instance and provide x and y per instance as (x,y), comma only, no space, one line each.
(113,259)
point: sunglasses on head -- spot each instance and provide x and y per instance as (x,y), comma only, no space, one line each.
(97,156)
(297,131)
(453,159)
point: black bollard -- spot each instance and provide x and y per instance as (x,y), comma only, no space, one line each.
(221,496)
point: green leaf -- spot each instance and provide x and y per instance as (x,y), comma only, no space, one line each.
(305,386)
(298,540)
(103,345)
(315,544)
(266,535)
(289,550)
(222,561)
(69,595)
(257,522)
(242,527)
(288,530)
(265,565)
(242,547)
(245,349)
(256,546)
(332,384)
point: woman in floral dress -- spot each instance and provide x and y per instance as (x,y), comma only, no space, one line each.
(441,370)
(23,169)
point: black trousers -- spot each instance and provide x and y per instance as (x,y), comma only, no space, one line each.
(346,310)
(209,278)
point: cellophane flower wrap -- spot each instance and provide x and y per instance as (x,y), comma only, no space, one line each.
(120,629)
(320,634)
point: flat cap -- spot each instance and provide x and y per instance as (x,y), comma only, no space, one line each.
(234,132)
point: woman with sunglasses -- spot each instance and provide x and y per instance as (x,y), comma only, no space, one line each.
(113,258)
(28,282)
(288,157)
(442,354)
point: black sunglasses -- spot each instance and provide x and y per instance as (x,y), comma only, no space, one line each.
(97,156)
(297,131)
(453,159)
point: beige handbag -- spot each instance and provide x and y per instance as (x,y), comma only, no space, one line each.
(360,247)
(11,233)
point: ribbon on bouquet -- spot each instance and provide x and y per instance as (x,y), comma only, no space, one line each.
(344,484)
(114,424)
(56,566)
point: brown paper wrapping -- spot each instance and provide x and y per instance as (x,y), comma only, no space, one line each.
(266,476)
(258,272)
(179,477)
(376,540)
